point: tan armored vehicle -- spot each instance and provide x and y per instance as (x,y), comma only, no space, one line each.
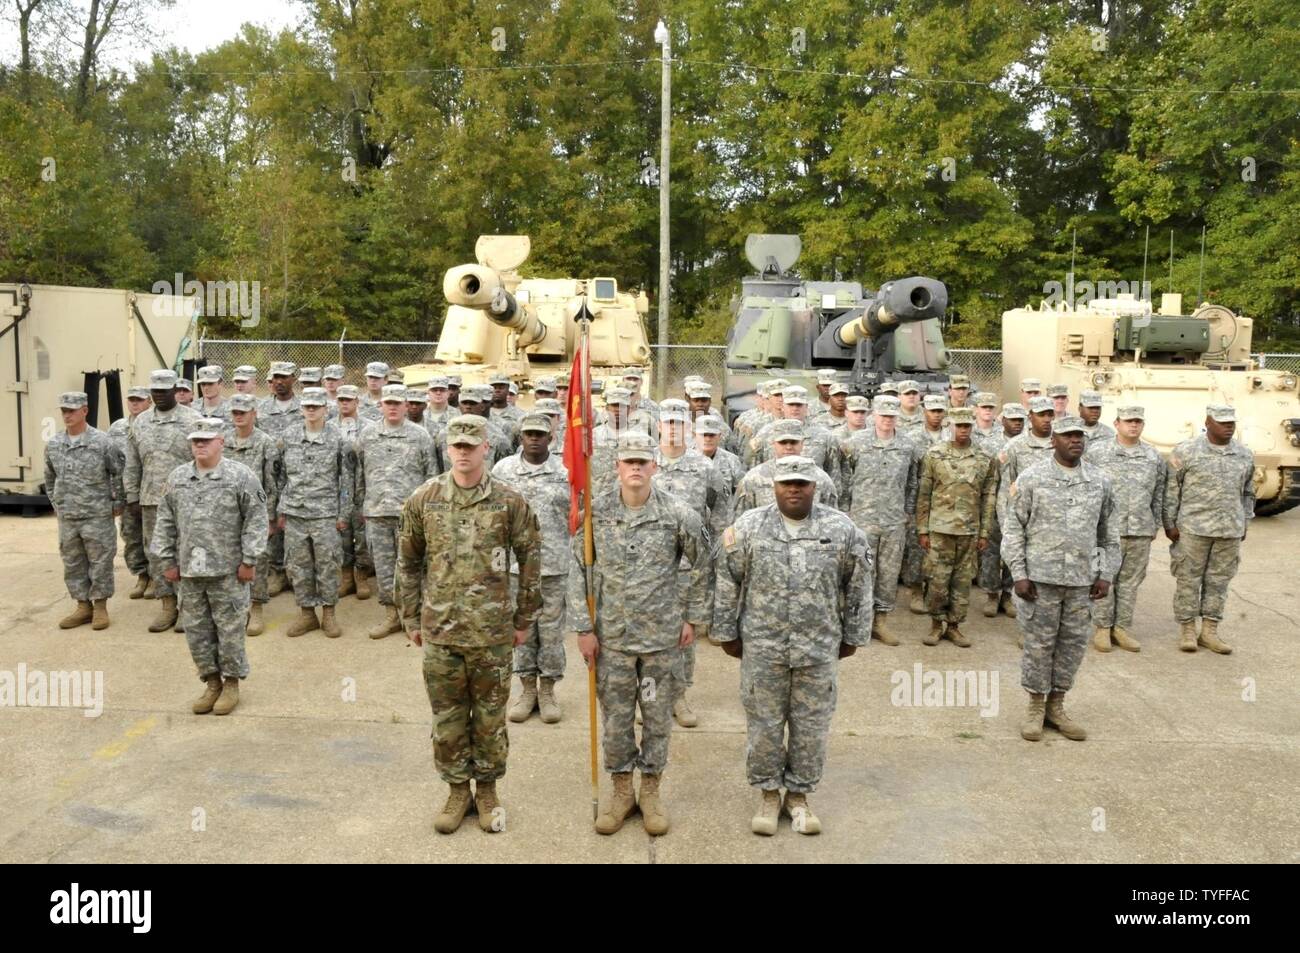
(1172,364)
(500,322)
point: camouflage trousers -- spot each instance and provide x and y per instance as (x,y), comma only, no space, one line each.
(949,570)
(685,674)
(1056,627)
(887,545)
(913,556)
(214,611)
(543,653)
(778,698)
(381,537)
(148,519)
(1117,608)
(624,680)
(993,577)
(312,553)
(261,592)
(355,551)
(137,560)
(87,547)
(468,688)
(1203,568)
(275,550)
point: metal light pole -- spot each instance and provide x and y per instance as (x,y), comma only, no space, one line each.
(665,121)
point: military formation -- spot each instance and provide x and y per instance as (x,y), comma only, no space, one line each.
(782,536)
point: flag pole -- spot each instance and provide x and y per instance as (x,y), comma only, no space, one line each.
(589,557)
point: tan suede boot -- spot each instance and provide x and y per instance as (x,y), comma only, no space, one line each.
(1058,719)
(1187,636)
(802,818)
(347,582)
(1209,637)
(392,623)
(1101,639)
(990,608)
(84,613)
(306,622)
(546,703)
(491,815)
(151,590)
(203,704)
(523,707)
(364,587)
(620,807)
(653,814)
(278,582)
(1031,729)
(917,602)
(453,812)
(683,712)
(956,635)
(768,815)
(100,619)
(935,634)
(1008,605)
(1125,641)
(256,626)
(167,615)
(141,586)
(229,697)
(880,629)
(328,623)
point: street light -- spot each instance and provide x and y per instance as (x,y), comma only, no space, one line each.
(665,123)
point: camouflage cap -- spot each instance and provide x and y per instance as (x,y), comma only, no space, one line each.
(243,402)
(282,369)
(674,404)
(562,380)
(858,402)
(777,385)
(885,406)
(476,393)
(394,394)
(376,369)
(548,405)
(787,430)
(467,429)
(138,393)
(334,372)
(1014,411)
(1068,423)
(1131,412)
(633,374)
(183,383)
(244,372)
(958,380)
(71,399)
(514,388)
(453,380)
(309,375)
(1221,413)
(396,375)
(763,388)
(708,424)
(1041,405)
(839,387)
(1057,390)
(635,445)
(794,469)
(437,382)
(794,394)
(544,385)
(1031,385)
(498,378)
(162,380)
(986,398)
(416,395)
(961,415)
(826,375)
(617,395)
(210,374)
(349,392)
(314,397)
(889,387)
(674,416)
(934,402)
(536,421)
(699,389)
(907,387)
(1090,398)
(207,428)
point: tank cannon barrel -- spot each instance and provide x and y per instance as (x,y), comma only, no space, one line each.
(904,301)
(482,288)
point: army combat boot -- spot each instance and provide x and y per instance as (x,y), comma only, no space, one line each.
(364,589)
(1058,719)
(935,634)
(683,712)
(1187,636)
(1031,729)
(166,617)
(453,812)
(880,630)
(203,704)
(307,622)
(1125,641)
(546,702)
(802,819)
(328,623)
(229,697)
(956,635)
(768,815)
(1101,639)
(491,815)
(991,600)
(141,584)
(523,707)
(347,582)
(79,616)
(100,618)
(917,602)
(653,814)
(1209,637)
(255,624)
(278,582)
(392,623)
(1008,605)
(621,805)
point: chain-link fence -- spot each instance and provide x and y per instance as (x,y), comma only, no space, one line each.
(983,367)
(1279,362)
(674,362)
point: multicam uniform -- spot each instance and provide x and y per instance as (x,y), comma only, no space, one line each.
(954,507)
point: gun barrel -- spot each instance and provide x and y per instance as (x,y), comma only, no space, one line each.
(481,288)
(897,302)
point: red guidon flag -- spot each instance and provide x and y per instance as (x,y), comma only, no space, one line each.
(577,435)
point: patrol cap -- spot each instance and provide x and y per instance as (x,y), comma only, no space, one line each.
(467,429)
(959,380)
(777,386)
(1057,390)
(1090,398)
(1221,413)
(71,399)
(617,395)
(908,387)
(1131,412)
(282,369)
(562,380)
(545,385)
(1014,411)
(961,415)
(794,394)
(415,395)
(786,430)
(839,387)
(934,402)
(1031,385)
(635,445)
(633,374)
(243,402)
(698,389)
(1041,405)
(883,406)
(476,393)
(138,393)
(548,405)
(763,388)
(348,392)
(183,383)
(794,469)
(210,374)
(858,402)
(674,416)
(708,424)
(244,372)
(162,380)
(309,375)
(674,404)
(514,388)
(1068,423)
(376,369)
(453,380)
(437,382)
(207,428)
(334,372)
(889,387)
(986,398)
(393,394)
(396,375)
(536,421)
(499,378)
(314,397)
(826,375)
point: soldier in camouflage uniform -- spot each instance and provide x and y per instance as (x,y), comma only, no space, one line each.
(211,530)
(821,407)
(646,612)
(417,401)
(212,402)
(755,490)
(137,560)
(439,411)
(332,379)
(1137,477)
(910,414)
(604,441)
(1059,395)
(926,432)
(748,422)
(276,414)
(1209,502)
(369,406)
(879,471)
(987,427)
(541,479)
(357,569)
(708,440)
(156,445)
(689,476)
(1032,445)
(477,400)
(632,381)
(794,596)
(700,397)
(83,480)
(1031,387)
(819,444)
(836,416)
(1061,543)
(501,412)
(857,415)
(459,532)
(315,501)
(954,511)
(393,457)
(184,392)
(958,391)
(993,577)
(255,449)
(245,379)
(1094,430)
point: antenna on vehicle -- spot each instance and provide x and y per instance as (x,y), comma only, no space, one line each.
(1171,259)
(1146,249)
(1201,274)
(1069,275)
